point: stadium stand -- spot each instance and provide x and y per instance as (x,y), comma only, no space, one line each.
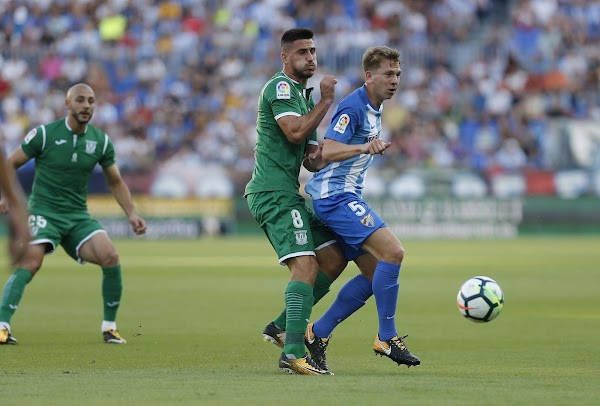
(486,84)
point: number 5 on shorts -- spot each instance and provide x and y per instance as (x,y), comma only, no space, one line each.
(357,208)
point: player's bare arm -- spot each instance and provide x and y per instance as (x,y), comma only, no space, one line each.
(12,197)
(123,196)
(298,128)
(334,151)
(313,160)
(14,162)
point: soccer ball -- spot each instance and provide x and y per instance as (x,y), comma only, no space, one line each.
(480,299)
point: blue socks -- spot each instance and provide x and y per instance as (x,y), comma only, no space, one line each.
(385,289)
(352,296)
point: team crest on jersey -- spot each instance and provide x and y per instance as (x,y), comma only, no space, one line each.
(301,237)
(283,90)
(30,135)
(90,147)
(342,123)
(368,220)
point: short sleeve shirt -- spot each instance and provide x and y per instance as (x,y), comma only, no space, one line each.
(64,162)
(277,160)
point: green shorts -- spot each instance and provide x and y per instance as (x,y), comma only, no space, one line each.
(290,225)
(68,230)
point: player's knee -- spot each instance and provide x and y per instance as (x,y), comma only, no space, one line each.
(333,267)
(394,254)
(31,264)
(109,258)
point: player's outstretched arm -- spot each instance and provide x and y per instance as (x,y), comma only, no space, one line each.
(12,203)
(334,151)
(123,196)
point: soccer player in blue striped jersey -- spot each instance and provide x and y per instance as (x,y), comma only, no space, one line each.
(351,142)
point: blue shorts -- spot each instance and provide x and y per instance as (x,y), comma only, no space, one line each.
(351,219)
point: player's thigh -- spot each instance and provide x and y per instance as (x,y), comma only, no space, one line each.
(99,250)
(367,263)
(285,219)
(47,229)
(303,268)
(351,219)
(331,260)
(330,257)
(384,245)
(88,241)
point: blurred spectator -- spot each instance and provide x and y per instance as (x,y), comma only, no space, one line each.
(177,82)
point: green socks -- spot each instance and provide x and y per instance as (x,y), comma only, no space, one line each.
(15,286)
(13,292)
(298,303)
(112,288)
(322,284)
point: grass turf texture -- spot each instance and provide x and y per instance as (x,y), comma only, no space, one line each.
(193,313)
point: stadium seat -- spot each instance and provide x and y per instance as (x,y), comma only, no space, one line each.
(571,184)
(375,185)
(169,186)
(408,186)
(214,183)
(539,182)
(468,185)
(508,185)
(595,180)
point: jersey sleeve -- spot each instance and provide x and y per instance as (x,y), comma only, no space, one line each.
(344,124)
(108,153)
(34,142)
(283,100)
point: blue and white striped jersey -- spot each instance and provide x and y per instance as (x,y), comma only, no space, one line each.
(354,121)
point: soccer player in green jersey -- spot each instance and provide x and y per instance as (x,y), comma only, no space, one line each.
(286,127)
(65,153)
(17,216)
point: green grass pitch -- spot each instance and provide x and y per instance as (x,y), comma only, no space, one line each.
(193,313)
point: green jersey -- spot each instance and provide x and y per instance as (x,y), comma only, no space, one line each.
(64,162)
(277,160)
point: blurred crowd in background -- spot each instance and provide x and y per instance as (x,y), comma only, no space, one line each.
(177,82)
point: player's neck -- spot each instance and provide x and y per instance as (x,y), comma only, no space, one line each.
(373,99)
(291,75)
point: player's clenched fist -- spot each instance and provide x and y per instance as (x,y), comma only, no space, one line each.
(376,146)
(328,87)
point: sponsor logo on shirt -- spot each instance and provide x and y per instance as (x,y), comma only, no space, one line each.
(342,123)
(283,90)
(30,135)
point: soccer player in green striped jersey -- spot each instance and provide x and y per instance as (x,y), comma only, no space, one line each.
(65,153)
(286,127)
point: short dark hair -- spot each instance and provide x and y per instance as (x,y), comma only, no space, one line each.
(373,57)
(295,34)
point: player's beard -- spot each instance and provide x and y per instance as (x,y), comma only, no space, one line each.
(305,73)
(80,120)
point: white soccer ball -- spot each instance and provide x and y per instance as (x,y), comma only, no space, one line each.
(480,299)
